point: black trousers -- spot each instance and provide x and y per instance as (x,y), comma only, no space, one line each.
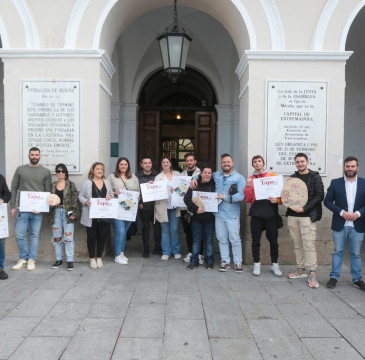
(258,225)
(187,231)
(96,235)
(147,217)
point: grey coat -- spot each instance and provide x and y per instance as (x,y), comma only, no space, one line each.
(85,195)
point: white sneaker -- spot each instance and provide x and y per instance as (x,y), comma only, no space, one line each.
(276,270)
(256,269)
(31,265)
(20,264)
(177,256)
(99,263)
(187,258)
(123,257)
(164,257)
(121,260)
(201,259)
(93,264)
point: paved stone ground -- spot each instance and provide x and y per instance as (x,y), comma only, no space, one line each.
(151,309)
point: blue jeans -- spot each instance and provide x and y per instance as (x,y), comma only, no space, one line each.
(199,229)
(121,228)
(229,229)
(170,228)
(2,253)
(60,229)
(355,239)
(22,221)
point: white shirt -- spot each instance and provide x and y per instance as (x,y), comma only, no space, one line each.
(351,188)
(169,199)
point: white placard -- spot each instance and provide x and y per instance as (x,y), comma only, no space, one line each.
(296,121)
(180,185)
(270,186)
(103,209)
(127,205)
(155,191)
(4,223)
(31,201)
(51,122)
(209,199)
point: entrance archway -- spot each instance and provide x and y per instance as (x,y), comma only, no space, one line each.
(175,119)
(354,123)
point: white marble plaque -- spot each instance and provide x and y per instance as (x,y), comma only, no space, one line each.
(51,122)
(296,121)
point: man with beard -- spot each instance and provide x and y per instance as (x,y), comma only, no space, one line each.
(346,199)
(302,222)
(30,177)
(146,210)
(194,171)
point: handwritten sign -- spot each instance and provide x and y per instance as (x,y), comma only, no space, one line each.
(266,187)
(209,200)
(34,201)
(4,223)
(155,191)
(103,209)
(180,186)
(295,193)
(127,205)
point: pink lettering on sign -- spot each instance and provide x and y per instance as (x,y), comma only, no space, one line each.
(152,186)
(103,203)
(33,196)
(203,197)
(268,182)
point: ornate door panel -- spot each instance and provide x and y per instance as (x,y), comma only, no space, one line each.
(205,136)
(149,136)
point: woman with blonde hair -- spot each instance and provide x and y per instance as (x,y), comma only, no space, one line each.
(168,215)
(122,179)
(95,187)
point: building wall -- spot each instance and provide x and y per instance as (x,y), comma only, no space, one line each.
(259,40)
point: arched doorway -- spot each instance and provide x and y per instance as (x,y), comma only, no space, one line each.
(354,123)
(175,119)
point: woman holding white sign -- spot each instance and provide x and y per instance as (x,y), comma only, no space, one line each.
(122,179)
(203,223)
(63,214)
(168,215)
(96,229)
(5,196)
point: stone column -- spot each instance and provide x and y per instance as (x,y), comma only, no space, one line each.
(94,70)
(225,139)
(128,134)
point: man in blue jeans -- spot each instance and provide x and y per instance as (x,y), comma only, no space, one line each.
(229,185)
(5,196)
(30,177)
(346,199)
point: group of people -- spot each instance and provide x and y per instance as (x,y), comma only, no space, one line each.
(345,198)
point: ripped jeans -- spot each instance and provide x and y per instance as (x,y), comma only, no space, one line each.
(64,231)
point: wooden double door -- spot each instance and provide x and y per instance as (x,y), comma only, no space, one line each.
(175,138)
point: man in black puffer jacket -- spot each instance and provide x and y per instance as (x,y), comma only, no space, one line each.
(146,210)
(302,222)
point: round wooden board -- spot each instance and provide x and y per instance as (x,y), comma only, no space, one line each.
(294,194)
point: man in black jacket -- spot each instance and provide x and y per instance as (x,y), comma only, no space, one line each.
(146,210)
(302,221)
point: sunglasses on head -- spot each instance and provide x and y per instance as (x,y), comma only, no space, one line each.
(60,172)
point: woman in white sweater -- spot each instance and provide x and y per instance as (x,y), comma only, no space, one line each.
(168,215)
(122,179)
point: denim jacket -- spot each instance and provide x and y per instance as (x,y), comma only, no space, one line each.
(226,210)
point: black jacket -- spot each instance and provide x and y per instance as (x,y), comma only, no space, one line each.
(143,178)
(313,207)
(206,187)
(5,194)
